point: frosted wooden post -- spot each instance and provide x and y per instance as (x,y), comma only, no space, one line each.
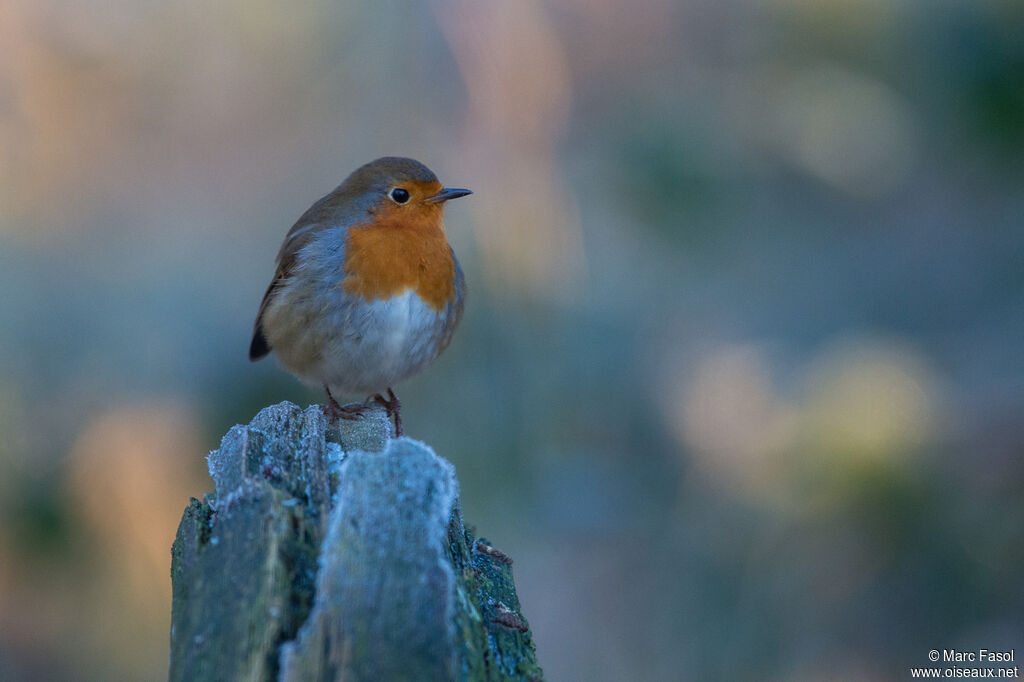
(338,554)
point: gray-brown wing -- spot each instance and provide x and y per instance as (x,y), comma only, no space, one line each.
(298,236)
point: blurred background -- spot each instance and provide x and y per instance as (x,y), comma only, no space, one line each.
(740,385)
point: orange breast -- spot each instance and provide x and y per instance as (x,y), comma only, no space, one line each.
(385,257)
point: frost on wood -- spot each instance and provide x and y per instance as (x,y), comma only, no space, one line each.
(338,554)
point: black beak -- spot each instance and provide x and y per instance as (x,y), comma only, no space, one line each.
(447,193)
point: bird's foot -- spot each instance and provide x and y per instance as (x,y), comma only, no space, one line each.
(394,408)
(353,411)
(334,411)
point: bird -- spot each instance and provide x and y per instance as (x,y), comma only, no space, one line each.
(367,290)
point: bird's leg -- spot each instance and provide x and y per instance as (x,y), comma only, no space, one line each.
(333,410)
(394,408)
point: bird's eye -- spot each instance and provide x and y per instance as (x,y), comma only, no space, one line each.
(399,195)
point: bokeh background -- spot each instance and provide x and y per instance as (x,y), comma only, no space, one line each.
(740,385)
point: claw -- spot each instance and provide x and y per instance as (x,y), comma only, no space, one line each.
(335,411)
(394,408)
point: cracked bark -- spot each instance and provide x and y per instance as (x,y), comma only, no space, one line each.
(338,554)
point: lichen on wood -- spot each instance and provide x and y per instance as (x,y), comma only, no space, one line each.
(338,553)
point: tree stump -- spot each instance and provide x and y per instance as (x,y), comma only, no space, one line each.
(334,552)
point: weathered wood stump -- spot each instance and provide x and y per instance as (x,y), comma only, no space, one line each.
(338,553)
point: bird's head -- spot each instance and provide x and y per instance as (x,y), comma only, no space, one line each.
(398,189)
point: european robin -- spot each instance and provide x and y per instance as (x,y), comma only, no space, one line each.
(367,290)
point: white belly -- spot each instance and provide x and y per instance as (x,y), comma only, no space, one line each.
(359,346)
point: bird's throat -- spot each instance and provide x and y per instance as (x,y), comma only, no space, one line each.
(383,259)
